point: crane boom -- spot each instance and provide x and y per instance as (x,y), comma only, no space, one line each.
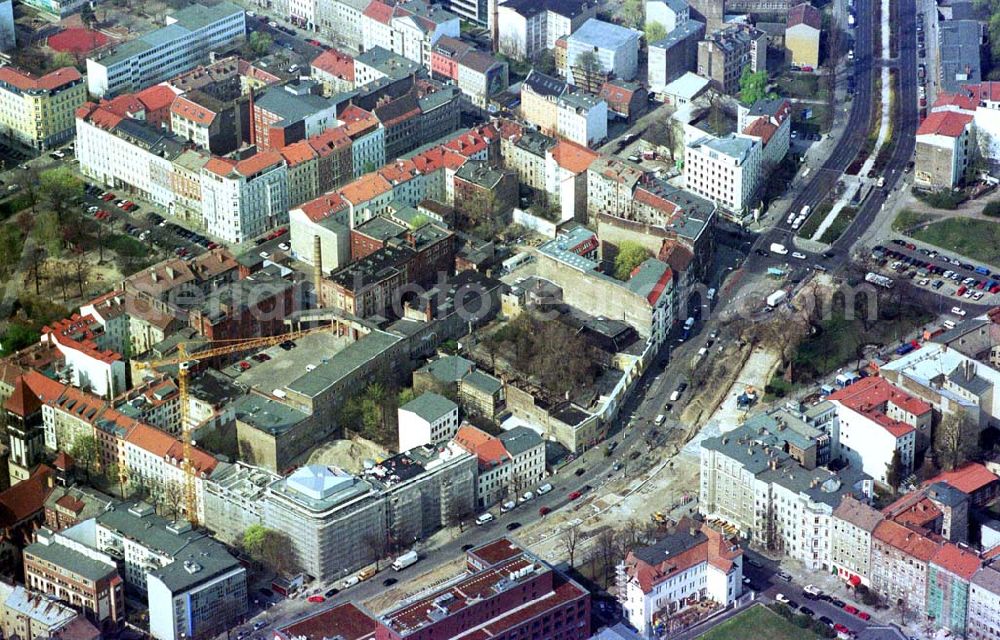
(184,360)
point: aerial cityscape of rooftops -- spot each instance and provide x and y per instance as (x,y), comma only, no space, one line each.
(499,319)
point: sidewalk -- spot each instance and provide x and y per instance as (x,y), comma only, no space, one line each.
(883,131)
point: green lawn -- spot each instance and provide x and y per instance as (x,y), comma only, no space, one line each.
(976,239)
(907,219)
(798,85)
(758,623)
(844,218)
(818,216)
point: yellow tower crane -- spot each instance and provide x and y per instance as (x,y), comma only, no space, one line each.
(184,360)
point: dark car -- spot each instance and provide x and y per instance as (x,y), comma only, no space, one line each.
(825,620)
(332,592)
(267,593)
(513,525)
(793,605)
(807,611)
(580,471)
(762,252)
(287,345)
(466,547)
(837,603)
(388,582)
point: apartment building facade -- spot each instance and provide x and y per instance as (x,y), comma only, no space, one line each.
(38,112)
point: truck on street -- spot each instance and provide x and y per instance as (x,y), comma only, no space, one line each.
(407,559)
(776,298)
(778,249)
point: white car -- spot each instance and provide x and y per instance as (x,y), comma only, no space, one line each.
(284,246)
(799,256)
(977,295)
(782,598)
(958,311)
(924,282)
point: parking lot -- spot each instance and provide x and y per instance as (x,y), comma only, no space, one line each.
(936,271)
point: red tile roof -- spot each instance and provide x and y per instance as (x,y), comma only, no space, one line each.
(961,100)
(330,140)
(323,206)
(77,333)
(365,188)
(497,551)
(944,123)
(714,549)
(44,387)
(968,479)
(26,498)
(958,561)
(914,509)
(28,82)
(257,163)
(298,153)
(489,450)
(985,91)
(220,166)
(343,621)
(157,97)
(573,157)
(906,540)
(192,111)
(871,397)
(126,105)
(805,14)
(761,128)
(22,402)
(378,11)
(337,64)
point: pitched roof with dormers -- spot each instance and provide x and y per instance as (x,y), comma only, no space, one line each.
(685,548)
(488,450)
(298,153)
(189,110)
(805,14)
(905,540)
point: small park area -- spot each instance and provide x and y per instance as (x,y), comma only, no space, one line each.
(758,622)
(975,239)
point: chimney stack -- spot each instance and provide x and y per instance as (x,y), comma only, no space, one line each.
(318,270)
(495,25)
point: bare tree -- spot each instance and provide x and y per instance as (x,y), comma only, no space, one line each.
(172,500)
(607,550)
(571,539)
(81,270)
(956,439)
(378,544)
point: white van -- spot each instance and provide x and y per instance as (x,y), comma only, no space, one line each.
(949,324)
(545,488)
(350,581)
(659,419)
(508,506)
(527,496)
(486,518)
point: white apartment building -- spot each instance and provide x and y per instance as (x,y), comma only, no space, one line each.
(89,364)
(876,419)
(725,170)
(528,27)
(982,102)
(669,13)
(750,482)
(126,154)
(410,29)
(109,311)
(689,565)
(615,47)
(189,35)
(983,622)
(427,419)
(945,141)
(527,458)
(582,119)
(244,199)
(304,13)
